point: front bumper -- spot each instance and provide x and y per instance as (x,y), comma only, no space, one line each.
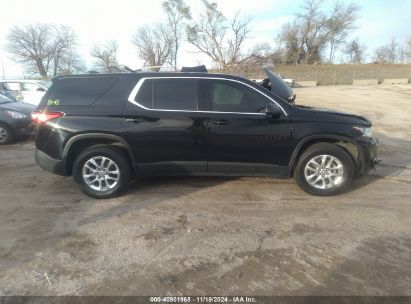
(47,163)
(27,130)
(21,126)
(369,149)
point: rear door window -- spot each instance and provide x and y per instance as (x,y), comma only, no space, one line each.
(175,94)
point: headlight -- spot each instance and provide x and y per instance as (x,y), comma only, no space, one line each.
(15,115)
(365,131)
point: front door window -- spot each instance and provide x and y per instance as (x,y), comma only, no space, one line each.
(229,96)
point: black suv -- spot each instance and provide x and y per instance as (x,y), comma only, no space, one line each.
(105,129)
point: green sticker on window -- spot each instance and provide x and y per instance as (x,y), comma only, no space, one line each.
(53,102)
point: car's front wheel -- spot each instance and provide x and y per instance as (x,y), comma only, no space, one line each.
(102,172)
(5,135)
(324,169)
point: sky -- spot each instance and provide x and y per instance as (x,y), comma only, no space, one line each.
(96,22)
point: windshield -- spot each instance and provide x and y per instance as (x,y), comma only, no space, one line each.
(5,99)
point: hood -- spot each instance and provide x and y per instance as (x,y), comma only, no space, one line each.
(279,87)
(328,115)
(22,107)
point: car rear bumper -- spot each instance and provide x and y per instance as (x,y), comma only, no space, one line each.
(47,163)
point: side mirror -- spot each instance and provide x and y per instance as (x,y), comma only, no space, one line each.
(272,112)
(40,90)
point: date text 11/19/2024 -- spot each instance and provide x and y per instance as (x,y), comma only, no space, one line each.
(203,299)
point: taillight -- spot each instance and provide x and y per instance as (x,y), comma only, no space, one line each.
(40,117)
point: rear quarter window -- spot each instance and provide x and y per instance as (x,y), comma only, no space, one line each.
(145,94)
(77,91)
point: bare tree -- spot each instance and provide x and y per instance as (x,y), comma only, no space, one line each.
(312,31)
(264,54)
(382,55)
(106,57)
(291,41)
(41,47)
(408,47)
(402,54)
(72,63)
(393,48)
(388,53)
(154,44)
(355,51)
(259,56)
(340,22)
(177,12)
(219,38)
(65,39)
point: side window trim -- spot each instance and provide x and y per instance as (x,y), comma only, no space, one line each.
(137,87)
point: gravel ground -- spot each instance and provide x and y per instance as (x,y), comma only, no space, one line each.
(219,236)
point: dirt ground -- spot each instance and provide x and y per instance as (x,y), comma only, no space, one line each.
(216,236)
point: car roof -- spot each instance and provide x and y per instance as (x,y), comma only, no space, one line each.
(139,75)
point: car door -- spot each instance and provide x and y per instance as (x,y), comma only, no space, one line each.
(241,138)
(164,128)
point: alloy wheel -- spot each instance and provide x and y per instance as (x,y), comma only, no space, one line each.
(324,172)
(101,173)
(3,134)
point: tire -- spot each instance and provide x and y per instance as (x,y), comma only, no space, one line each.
(324,169)
(5,135)
(102,172)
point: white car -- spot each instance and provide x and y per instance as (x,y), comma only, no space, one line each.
(29,91)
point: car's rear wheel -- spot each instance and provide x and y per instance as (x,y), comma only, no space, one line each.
(5,135)
(102,172)
(324,169)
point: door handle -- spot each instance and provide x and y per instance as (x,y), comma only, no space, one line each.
(135,120)
(220,122)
